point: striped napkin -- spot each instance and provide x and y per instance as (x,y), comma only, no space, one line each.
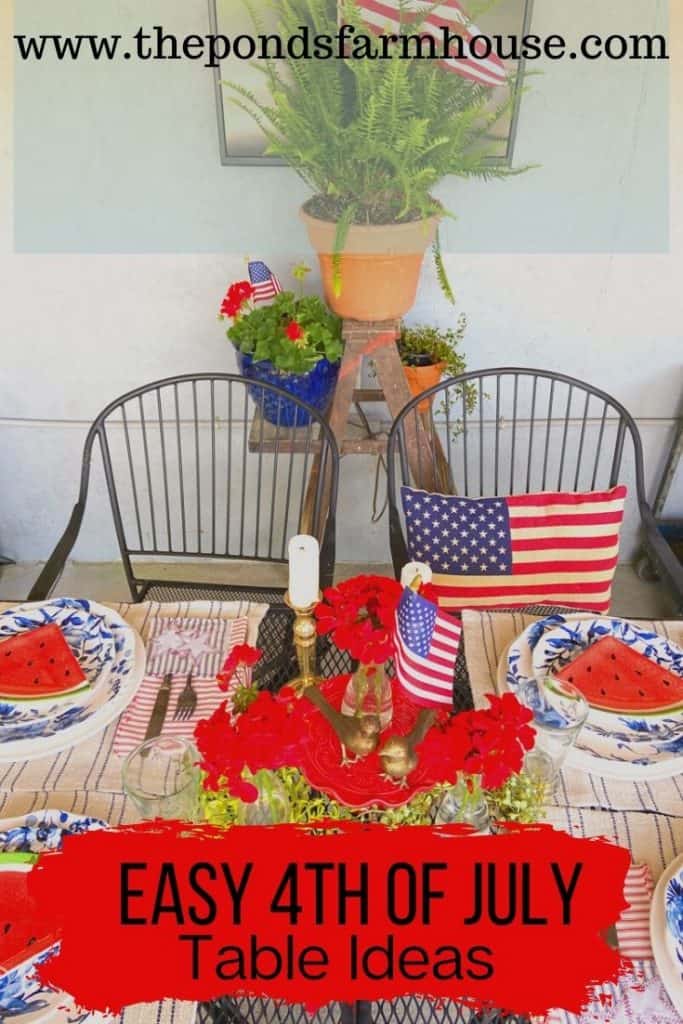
(180,646)
(633,927)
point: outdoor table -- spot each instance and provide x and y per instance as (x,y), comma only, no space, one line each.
(86,779)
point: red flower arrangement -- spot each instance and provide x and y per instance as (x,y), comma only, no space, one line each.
(241,654)
(238,295)
(490,742)
(268,734)
(359,615)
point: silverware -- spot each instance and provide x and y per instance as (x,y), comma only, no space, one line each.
(158,716)
(187,701)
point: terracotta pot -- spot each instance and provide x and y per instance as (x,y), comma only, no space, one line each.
(380,266)
(422,377)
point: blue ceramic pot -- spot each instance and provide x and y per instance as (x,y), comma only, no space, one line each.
(314,387)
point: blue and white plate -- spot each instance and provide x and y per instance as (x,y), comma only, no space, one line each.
(559,646)
(666,931)
(23,1000)
(599,750)
(112,657)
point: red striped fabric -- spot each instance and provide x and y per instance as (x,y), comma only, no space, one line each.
(633,927)
(547,548)
(386,16)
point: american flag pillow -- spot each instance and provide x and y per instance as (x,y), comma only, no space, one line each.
(551,548)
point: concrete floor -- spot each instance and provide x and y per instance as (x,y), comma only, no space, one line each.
(105,581)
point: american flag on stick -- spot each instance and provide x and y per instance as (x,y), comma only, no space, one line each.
(426,643)
(391,16)
(264,282)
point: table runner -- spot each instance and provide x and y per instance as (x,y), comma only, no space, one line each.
(86,779)
(486,636)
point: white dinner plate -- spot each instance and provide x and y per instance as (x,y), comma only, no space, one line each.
(112,656)
(668,953)
(602,755)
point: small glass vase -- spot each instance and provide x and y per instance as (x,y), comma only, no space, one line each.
(368,692)
(271,806)
(463,805)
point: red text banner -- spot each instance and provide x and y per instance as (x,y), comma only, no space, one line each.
(362,912)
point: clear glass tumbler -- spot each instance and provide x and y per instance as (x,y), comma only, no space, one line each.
(560,712)
(161,777)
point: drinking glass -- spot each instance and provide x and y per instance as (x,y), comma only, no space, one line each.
(161,777)
(560,711)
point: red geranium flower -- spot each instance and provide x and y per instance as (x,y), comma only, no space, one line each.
(359,615)
(294,331)
(241,291)
(241,654)
(237,295)
(490,742)
(269,734)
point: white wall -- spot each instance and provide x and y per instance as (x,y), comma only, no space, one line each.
(76,330)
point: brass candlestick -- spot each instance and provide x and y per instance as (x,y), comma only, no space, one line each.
(304,641)
(360,736)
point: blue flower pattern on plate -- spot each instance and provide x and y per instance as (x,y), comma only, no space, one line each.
(103,651)
(674,915)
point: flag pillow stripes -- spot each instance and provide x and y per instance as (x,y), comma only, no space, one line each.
(426,643)
(264,282)
(549,548)
(390,16)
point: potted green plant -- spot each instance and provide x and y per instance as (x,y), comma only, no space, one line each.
(294,342)
(372,139)
(429,353)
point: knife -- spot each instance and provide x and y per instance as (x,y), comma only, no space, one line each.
(158,716)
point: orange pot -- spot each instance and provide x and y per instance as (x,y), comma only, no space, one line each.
(380,266)
(422,377)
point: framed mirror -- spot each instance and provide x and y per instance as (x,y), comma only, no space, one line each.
(239,137)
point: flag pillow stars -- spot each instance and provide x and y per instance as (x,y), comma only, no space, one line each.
(550,548)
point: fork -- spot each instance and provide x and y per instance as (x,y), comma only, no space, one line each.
(187,701)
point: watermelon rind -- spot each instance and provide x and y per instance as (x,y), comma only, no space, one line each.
(7,698)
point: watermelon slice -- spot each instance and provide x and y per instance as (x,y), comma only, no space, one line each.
(24,930)
(38,664)
(614,677)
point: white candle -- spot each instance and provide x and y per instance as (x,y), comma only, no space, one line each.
(413,569)
(304,571)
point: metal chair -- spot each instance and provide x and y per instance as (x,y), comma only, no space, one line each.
(194,471)
(512,430)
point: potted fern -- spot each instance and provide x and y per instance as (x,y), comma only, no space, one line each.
(372,138)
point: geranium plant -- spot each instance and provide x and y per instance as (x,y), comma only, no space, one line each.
(292,332)
(487,747)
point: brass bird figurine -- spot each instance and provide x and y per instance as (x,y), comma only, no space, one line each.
(398,754)
(359,735)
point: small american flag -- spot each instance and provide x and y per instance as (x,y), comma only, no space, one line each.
(386,16)
(427,641)
(265,283)
(552,548)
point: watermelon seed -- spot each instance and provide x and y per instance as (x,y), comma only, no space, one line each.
(613,657)
(42,643)
(641,693)
(616,677)
(67,672)
(603,693)
(29,663)
(6,928)
(36,682)
(589,668)
(665,681)
(52,661)
(7,654)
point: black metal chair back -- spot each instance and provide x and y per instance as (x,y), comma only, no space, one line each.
(195,471)
(511,430)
